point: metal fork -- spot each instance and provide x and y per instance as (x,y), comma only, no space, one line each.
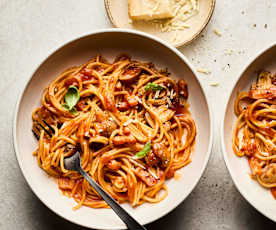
(73,163)
(48,129)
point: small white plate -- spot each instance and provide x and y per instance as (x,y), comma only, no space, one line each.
(117,11)
(110,43)
(255,194)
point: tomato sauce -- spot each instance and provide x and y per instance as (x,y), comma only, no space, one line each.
(180,110)
(71,81)
(273,192)
(80,105)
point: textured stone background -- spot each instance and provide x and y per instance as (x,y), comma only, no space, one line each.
(29,29)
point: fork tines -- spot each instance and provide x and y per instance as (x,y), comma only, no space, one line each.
(49,126)
(50,131)
(35,134)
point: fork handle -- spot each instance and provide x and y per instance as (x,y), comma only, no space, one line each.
(125,217)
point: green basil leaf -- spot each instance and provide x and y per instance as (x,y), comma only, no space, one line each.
(72,97)
(73,110)
(65,106)
(144,152)
(153,87)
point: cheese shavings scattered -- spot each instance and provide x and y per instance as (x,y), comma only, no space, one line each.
(264,153)
(152,173)
(138,99)
(129,122)
(176,37)
(136,163)
(205,71)
(156,94)
(217,32)
(182,11)
(214,84)
(228,52)
(141,166)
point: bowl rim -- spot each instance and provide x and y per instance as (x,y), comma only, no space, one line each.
(87,34)
(178,45)
(226,161)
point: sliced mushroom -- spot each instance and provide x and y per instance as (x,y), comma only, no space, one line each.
(130,74)
(183,89)
(269,174)
(122,140)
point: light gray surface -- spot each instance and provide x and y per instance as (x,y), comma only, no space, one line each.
(29,30)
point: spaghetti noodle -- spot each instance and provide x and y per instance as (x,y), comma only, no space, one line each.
(131,122)
(254,134)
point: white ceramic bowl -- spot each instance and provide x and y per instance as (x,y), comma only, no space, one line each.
(110,43)
(256,195)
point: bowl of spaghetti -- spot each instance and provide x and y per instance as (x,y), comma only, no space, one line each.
(248,133)
(134,108)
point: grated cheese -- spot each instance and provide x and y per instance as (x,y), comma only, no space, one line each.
(176,37)
(165,15)
(157,94)
(205,71)
(136,163)
(173,13)
(138,99)
(151,173)
(171,94)
(169,102)
(182,11)
(129,122)
(264,153)
(214,84)
(86,133)
(217,32)
(228,52)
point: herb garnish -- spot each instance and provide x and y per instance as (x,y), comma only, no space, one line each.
(71,99)
(153,87)
(144,152)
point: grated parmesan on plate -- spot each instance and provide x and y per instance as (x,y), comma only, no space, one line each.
(165,15)
(176,37)
(182,11)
